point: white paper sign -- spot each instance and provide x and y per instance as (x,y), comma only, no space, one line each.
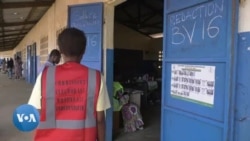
(193,82)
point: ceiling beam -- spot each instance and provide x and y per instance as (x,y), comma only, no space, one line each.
(3,45)
(136,29)
(6,31)
(28,17)
(1,21)
(153,9)
(14,34)
(125,4)
(156,23)
(154,26)
(149,17)
(132,19)
(17,23)
(11,40)
(7,5)
(6,49)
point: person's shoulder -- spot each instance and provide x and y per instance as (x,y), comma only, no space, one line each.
(48,64)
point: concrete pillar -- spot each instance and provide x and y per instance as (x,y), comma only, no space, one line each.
(244,16)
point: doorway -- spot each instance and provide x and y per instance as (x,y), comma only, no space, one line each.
(137,65)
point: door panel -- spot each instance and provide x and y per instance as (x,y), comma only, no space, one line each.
(89,18)
(198,69)
(192,129)
(34,63)
(31,66)
(28,65)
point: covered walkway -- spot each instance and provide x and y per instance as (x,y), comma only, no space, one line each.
(12,94)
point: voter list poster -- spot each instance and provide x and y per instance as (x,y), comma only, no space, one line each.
(195,83)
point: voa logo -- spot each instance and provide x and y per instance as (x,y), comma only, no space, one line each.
(26,118)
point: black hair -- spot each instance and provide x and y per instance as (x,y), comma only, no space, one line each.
(55,52)
(18,57)
(72,42)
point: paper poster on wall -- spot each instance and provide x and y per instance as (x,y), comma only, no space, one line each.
(195,83)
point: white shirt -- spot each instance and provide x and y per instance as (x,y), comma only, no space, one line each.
(47,64)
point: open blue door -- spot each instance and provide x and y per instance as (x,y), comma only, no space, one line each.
(28,65)
(31,66)
(34,63)
(89,18)
(199,70)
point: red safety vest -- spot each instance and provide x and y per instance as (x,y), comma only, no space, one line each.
(68,104)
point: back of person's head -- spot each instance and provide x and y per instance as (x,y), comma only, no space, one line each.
(55,56)
(54,52)
(72,42)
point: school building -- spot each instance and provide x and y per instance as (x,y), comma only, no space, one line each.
(189,59)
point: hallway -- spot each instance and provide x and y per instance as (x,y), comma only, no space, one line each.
(16,92)
(12,94)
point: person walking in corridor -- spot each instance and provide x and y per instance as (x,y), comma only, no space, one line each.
(72,97)
(10,66)
(4,65)
(54,59)
(18,67)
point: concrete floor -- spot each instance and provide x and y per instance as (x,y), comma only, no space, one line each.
(12,94)
(16,92)
(151,132)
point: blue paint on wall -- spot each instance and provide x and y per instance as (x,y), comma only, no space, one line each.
(109,81)
(242,114)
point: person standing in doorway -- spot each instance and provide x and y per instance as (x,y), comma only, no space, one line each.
(75,94)
(54,59)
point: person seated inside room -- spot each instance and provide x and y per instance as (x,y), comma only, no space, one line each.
(131,115)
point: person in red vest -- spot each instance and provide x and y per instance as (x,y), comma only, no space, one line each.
(71,97)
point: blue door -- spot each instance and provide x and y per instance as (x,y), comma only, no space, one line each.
(199,70)
(89,18)
(28,65)
(31,64)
